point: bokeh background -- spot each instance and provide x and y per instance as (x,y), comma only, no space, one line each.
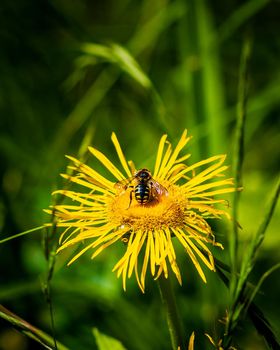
(71,72)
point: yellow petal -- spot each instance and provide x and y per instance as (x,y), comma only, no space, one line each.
(191,342)
(120,154)
(107,163)
(159,154)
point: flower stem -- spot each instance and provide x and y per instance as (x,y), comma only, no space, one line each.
(173,319)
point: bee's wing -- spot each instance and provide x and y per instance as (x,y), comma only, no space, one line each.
(123,184)
(158,189)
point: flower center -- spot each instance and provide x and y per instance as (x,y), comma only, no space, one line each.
(167,211)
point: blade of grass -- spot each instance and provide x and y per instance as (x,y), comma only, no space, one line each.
(212,82)
(51,244)
(29,330)
(257,317)
(107,78)
(242,14)
(258,286)
(250,257)
(242,294)
(22,234)
(238,156)
(200,78)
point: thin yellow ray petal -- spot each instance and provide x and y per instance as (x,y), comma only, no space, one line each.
(86,184)
(209,173)
(164,252)
(160,269)
(90,233)
(137,277)
(132,166)
(202,177)
(145,262)
(127,253)
(123,262)
(68,237)
(122,265)
(172,173)
(208,201)
(198,252)
(107,163)
(94,198)
(178,233)
(213,193)
(181,144)
(79,254)
(124,274)
(135,253)
(211,339)
(152,253)
(208,252)
(120,154)
(172,257)
(81,225)
(183,158)
(196,228)
(94,175)
(157,247)
(106,236)
(98,207)
(88,220)
(164,160)
(164,244)
(220,158)
(159,154)
(107,244)
(202,188)
(88,215)
(169,242)
(191,342)
(100,232)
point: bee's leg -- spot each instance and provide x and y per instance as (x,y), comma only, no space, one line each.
(130,196)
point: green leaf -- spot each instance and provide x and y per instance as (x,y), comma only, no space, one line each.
(105,342)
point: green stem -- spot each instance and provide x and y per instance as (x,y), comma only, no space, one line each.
(22,234)
(238,157)
(173,319)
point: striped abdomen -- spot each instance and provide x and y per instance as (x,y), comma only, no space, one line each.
(142,193)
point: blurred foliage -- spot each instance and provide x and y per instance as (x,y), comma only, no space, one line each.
(74,71)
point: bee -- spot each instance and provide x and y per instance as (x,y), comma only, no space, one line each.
(144,188)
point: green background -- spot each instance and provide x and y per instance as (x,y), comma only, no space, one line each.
(58,95)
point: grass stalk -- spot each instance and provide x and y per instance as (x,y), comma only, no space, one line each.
(238,157)
(244,295)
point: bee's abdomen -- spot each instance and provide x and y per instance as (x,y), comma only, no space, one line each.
(142,193)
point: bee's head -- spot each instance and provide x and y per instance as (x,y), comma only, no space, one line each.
(143,174)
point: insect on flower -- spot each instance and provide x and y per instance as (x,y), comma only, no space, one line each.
(149,210)
(145,189)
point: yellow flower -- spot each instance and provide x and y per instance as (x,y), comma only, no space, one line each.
(177,203)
